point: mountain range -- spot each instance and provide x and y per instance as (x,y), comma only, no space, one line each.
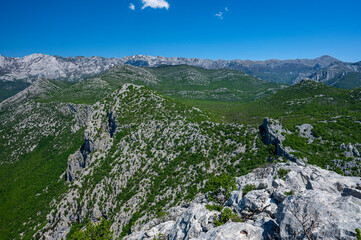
(17,73)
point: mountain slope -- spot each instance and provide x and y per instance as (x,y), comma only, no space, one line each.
(8,89)
(338,74)
(17,73)
(162,153)
(34,66)
(133,135)
(322,120)
(36,141)
(350,80)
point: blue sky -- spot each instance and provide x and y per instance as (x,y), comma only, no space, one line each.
(253,29)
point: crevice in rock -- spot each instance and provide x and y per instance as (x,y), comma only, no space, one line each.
(86,149)
(112,125)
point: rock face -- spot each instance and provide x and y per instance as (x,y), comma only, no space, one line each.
(272,132)
(78,160)
(307,202)
(335,72)
(38,65)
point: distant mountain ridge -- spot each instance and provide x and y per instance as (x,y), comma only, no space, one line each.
(74,68)
(17,71)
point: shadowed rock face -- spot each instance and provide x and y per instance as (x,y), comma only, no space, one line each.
(86,148)
(271,132)
(78,160)
(111,123)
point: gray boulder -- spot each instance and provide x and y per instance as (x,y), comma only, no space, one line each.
(233,230)
(319,215)
(192,223)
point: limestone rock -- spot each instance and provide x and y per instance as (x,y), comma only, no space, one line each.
(271,131)
(233,230)
(192,223)
(308,200)
(306,131)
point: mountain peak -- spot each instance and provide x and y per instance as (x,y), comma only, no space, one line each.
(327,58)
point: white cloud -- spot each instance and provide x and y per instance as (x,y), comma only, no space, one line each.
(131,6)
(155,4)
(220,15)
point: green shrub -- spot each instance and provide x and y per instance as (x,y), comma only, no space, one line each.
(94,231)
(282,173)
(220,185)
(289,193)
(358,234)
(225,216)
(217,207)
(248,187)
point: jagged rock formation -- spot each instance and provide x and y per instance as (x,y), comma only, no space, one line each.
(272,132)
(289,202)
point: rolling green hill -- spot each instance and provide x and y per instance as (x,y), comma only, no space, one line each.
(180,82)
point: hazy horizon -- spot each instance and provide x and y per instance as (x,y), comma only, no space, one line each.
(214,59)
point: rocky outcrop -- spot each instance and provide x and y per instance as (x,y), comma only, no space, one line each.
(306,203)
(305,130)
(78,160)
(351,165)
(272,132)
(350,150)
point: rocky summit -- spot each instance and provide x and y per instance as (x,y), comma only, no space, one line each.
(280,201)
